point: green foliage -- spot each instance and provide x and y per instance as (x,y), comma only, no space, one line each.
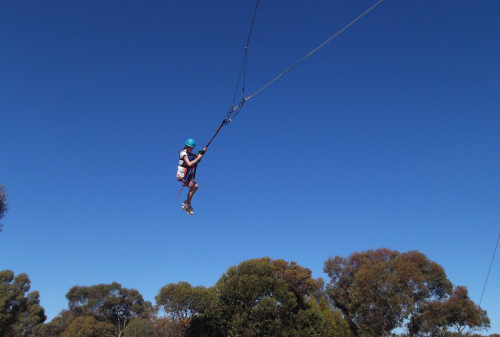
(377,290)
(58,324)
(139,327)
(3,203)
(20,311)
(181,300)
(335,324)
(47,330)
(109,302)
(87,326)
(168,327)
(264,297)
(371,293)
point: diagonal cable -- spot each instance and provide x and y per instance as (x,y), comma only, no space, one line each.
(340,31)
(489,270)
(235,110)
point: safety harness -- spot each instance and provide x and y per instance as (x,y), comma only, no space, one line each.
(190,172)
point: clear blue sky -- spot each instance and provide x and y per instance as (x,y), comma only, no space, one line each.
(386,137)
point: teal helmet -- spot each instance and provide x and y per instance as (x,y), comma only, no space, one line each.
(190,142)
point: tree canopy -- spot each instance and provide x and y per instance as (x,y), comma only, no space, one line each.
(181,300)
(265,297)
(58,324)
(381,290)
(3,203)
(20,311)
(87,326)
(139,327)
(372,293)
(457,312)
(109,302)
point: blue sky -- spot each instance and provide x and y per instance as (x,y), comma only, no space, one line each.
(386,137)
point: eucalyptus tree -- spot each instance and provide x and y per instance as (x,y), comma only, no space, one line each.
(3,203)
(457,314)
(140,327)
(57,325)
(181,302)
(20,310)
(109,302)
(88,326)
(265,297)
(379,290)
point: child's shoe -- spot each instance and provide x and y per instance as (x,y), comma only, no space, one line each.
(187,207)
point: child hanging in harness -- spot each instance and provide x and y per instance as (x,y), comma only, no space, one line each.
(186,172)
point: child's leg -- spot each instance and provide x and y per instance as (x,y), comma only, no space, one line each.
(192,190)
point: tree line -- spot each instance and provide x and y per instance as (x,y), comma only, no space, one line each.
(3,203)
(374,293)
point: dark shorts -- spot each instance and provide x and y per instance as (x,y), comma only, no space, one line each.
(191,182)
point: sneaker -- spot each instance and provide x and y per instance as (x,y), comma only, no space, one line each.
(187,208)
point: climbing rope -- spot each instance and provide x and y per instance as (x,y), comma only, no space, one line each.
(243,67)
(234,110)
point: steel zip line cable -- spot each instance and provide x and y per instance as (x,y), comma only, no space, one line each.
(235,110)
(340,31)
(489,270)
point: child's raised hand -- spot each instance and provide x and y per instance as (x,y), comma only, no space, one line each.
(202,152)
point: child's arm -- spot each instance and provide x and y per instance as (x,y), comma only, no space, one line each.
(194,162)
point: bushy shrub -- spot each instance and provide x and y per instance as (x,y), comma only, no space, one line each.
(139,327)
(86,326)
